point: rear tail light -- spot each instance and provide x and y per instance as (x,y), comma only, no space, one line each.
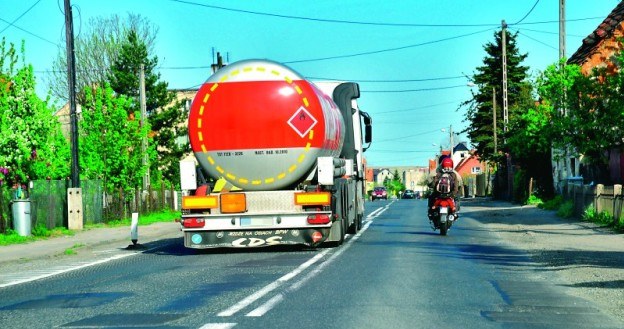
(193,222)
(317,219)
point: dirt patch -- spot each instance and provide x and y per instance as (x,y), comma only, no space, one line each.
(589,258)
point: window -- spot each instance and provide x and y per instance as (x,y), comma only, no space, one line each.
(476,170)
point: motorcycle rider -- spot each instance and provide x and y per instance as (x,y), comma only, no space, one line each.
(445,167)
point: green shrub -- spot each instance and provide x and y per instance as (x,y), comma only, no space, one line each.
(566,210)
(534,200)
(590,214)
(553,204)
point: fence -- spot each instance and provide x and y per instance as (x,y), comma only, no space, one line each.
(49,203)
(602,198)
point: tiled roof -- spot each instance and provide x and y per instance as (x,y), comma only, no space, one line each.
(603,31)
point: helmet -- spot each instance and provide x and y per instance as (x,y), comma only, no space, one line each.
(447,164)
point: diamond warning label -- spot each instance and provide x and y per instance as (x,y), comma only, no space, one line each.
(302,121)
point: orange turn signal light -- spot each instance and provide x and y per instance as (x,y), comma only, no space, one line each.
(199,202)
(233,203)
(313,199)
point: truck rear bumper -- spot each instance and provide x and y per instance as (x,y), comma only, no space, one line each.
(255,238)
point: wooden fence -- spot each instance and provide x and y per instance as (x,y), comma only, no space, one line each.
(603,198)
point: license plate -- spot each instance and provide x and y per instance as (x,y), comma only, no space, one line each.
(256,221)
(443,210)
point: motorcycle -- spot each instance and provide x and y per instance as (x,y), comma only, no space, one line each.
(444,214)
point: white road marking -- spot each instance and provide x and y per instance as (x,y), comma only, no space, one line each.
(218,326)
(262,309)
(272,286)
(65,269)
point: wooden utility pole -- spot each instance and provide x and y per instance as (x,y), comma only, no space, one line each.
(71,83)
(74,193)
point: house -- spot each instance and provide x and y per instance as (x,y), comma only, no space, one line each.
(597,51)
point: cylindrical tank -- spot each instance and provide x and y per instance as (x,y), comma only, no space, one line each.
(261,126)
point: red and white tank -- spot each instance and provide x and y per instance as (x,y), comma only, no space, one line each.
(261,126)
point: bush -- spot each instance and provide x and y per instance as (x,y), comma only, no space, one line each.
(534,200)
(553,204)
(566,210)
(600,218)
(589,214)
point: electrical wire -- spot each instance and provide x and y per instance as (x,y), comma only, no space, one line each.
(419,108)
(386,50)
(20,16)
(411,90)
(34,35)
(527,14)
(328,20)
(538,41)
(388,81)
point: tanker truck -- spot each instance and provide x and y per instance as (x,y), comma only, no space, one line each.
(286,155)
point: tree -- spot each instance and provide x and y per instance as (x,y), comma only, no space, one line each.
(394,185)
(587,111)
(31,143)
(165,115)
(96,49)
(489,77)
(110,141)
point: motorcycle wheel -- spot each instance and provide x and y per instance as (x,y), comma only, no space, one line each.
(444,228)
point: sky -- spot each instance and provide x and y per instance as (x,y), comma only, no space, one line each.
(410,57)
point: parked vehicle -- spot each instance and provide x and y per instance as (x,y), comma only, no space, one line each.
(408,194)
(286,154)
(379,193)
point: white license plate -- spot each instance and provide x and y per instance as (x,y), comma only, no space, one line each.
(443,210)
(256,221)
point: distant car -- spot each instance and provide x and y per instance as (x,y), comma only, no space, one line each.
(379,193)
(408,194)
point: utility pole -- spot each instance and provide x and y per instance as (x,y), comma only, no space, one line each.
(142,102)
(562,38)
(451,137)
(71,83)
(74,193)
(494,120)
(505,104)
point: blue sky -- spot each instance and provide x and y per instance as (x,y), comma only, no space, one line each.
(409,56)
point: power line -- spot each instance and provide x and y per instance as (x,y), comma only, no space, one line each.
(411,90)
(389,81)
(418,108)
(20,16)
(404,137)
(337,21)
(527,14)
(328,20)
(538,41)
(385,50)
(34,35)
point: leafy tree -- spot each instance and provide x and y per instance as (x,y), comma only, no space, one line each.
(96,49)
(588,116)
(165,115)
(489,77)
(31,144)
(394,185)
(110,141)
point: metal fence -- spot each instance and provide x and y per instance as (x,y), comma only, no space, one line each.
(48,203)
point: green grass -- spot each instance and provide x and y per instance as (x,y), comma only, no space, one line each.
(159,217)
(40,232)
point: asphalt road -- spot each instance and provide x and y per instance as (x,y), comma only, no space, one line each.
(397,273)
